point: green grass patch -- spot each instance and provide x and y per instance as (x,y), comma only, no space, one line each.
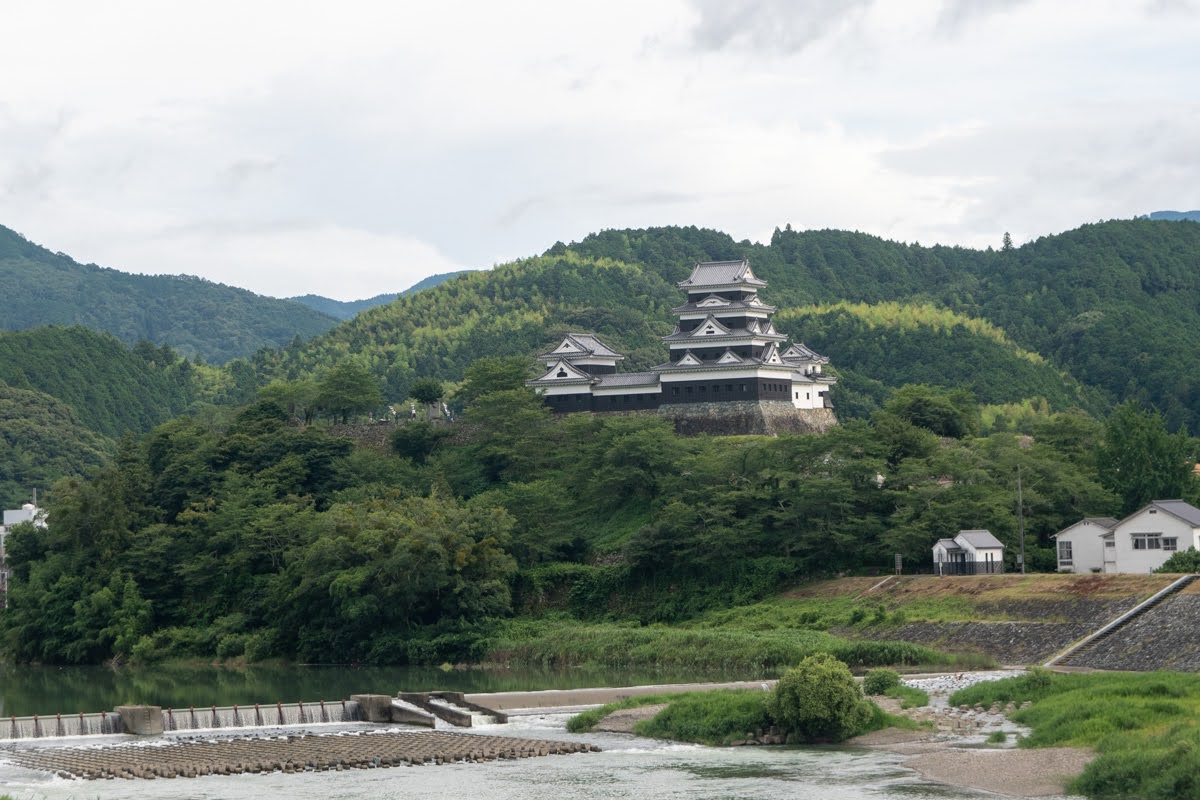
(1144,726)
(569,643)
(714,718)
(997,737)
(909,696)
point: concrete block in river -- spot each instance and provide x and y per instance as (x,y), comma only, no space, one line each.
(141,720)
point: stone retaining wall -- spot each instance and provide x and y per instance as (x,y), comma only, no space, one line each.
(742,417)
(1015,643)
(1164,637)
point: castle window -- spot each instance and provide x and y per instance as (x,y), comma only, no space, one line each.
(716,387)
(702,389)
(675,390)
(741,387)
(729,387)
(689,390)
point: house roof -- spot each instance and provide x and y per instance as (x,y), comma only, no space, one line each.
(948,544)
(1107,523)
(720,273)
(1176,508)
(978,539)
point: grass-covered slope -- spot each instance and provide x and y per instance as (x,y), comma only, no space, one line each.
(192,315)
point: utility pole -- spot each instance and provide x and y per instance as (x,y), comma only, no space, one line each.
(1020,520)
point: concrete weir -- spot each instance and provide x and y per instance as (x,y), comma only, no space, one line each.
(299,753)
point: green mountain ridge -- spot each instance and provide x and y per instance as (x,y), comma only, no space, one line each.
(346,309)
(194,316)
(1114,307)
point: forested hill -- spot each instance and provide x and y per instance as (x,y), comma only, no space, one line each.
(346,309)
(192,315)
(109,388)
(1114,306)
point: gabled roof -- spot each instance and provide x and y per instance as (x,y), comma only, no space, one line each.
(1176,508)
(730,357)
(562,372)
(979,539)
(721,273)
(770,354)
(711,322)
(582,344)
(688,360)
(1107,523)
(800,352)
(948,544)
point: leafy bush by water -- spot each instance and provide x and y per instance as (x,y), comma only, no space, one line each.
(819,700)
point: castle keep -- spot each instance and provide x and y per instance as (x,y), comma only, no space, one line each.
(729,370)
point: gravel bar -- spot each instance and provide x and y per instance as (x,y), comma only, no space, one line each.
(299,753)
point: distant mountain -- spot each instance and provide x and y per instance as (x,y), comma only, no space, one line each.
(1173,216)
(347,309)
(192,315)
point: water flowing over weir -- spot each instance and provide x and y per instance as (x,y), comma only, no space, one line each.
(261,716)
(38,727)
(185,719)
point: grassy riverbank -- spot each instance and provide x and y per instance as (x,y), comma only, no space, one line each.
(713,718)
(1145,727)
(568,642)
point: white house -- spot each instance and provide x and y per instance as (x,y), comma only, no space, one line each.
(969,553)
(1139,543)
(26,513)
(1081,547)
(1148,537)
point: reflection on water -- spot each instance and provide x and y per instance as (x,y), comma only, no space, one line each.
(25,691)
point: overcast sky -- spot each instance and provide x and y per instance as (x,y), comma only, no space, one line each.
(352,148)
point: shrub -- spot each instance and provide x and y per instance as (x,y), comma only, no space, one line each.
(878,681)
(819,700)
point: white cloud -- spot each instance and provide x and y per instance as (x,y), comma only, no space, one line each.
(257,143)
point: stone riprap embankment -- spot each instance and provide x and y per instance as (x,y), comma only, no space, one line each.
(1162,638)
(962,720)
(300,753)
(1017,642)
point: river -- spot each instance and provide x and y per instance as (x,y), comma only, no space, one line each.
(25,691)
(628,767)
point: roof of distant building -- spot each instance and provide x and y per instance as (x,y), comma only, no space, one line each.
(979,538)
(721,273)
(1178,508)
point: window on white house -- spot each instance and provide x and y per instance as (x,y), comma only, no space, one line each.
(1170,543)
(1064,552)
(1147,541)
(1110,543)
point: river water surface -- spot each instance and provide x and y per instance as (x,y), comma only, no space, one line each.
(628,767)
